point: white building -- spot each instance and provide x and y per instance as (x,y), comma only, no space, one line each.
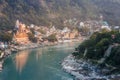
(105,26)
(65,30)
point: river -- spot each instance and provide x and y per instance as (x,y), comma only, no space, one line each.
(38,64)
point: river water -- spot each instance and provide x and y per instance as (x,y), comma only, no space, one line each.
(38,64)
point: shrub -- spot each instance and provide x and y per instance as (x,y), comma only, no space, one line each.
(52,38)
(32,38)
(103,42)
(42,31)
(6,37)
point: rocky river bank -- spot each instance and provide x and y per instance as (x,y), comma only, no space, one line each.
(13,48)
(85,70)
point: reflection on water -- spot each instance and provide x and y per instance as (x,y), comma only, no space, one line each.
(38,53)
(21,59)
(40,63)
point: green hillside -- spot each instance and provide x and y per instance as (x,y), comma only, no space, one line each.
(45,12)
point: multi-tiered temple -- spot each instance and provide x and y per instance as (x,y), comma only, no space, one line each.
(20,35)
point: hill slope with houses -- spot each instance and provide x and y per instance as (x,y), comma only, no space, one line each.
(48,12)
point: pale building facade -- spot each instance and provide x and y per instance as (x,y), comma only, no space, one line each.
(21,35)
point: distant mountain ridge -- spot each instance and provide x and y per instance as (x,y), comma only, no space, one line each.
(46,12)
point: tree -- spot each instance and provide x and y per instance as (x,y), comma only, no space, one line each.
(6,37)
(103,42)
(32,38)
(52,38)
(42,31)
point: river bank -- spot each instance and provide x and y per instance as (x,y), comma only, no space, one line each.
(37,45)
(34,64)
(85,70)
(16,48)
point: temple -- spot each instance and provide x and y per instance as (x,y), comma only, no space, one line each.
(20,35)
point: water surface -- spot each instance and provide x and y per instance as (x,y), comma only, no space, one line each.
(38,64)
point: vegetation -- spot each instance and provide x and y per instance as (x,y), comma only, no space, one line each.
(6,37)
(52,38)
(42,12)
(97,45)
(32,38)
(42,31)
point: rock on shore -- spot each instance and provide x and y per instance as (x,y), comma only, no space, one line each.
(84,70)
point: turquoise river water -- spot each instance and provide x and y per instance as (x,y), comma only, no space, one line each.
(38,64)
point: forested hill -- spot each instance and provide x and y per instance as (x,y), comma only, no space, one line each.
(45,12)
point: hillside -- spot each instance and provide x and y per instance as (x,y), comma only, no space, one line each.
(101,48)
(47,12)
